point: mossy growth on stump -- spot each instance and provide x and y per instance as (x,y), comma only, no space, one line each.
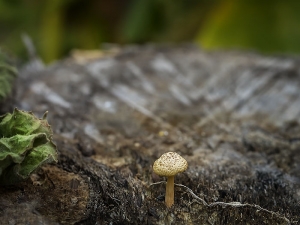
(25,145)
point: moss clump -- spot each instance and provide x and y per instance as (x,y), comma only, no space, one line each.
(25,144)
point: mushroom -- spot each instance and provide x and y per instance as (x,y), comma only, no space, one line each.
(168,165)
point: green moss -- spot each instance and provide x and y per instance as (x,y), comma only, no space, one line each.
(25,144)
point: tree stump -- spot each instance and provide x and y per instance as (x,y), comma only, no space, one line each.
(234,116)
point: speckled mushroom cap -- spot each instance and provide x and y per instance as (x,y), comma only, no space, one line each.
(169,164)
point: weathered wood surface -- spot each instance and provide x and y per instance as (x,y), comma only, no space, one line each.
(234,117)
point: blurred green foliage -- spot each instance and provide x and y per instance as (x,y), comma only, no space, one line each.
(8,74)
(269,26)
(57,26)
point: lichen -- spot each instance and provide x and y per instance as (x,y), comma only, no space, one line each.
(25,144)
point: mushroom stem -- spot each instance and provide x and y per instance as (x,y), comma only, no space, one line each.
(169,199)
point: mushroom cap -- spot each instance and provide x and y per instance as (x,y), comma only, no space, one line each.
(169,164)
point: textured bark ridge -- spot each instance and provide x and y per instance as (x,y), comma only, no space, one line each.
(233,116)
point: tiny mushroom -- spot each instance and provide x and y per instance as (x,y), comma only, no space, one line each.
(168,165)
